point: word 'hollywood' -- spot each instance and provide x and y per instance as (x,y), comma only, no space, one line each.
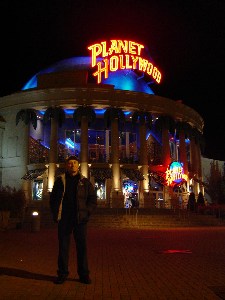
(121,55)
(175,174)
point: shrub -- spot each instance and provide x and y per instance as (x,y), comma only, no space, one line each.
(12,200)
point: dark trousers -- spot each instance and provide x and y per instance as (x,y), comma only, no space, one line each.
(79,231)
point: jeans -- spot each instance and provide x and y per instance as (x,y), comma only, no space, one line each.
(79,231)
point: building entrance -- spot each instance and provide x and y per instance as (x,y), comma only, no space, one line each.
(37,190)
(100,189)
(130,192)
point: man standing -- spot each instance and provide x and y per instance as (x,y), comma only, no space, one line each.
(72,200)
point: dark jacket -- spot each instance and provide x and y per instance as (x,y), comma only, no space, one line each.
(86,198)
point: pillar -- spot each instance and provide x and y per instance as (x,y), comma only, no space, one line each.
(53,153)
(166,148)
(26,184)
(127,145)
(107,145)
(194,163)
(144,185)
(84,147)
(183,152)
(117,199)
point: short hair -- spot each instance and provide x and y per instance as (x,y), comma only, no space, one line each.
(71,157)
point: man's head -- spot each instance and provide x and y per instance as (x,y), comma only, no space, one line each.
(72,165)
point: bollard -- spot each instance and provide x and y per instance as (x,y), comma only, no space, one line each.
(36,222)
(137,217)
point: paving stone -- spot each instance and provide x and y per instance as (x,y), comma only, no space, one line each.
(129,263)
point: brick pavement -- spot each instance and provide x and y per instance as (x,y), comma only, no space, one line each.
(178,263)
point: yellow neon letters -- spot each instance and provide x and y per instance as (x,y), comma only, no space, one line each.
(175,174)
(119,55)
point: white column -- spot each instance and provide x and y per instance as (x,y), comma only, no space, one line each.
(53,154)
(143,156)
(115,154)
(26,184)
(84,147)
(107,145)
(117,199)
(144,184)
(127,145)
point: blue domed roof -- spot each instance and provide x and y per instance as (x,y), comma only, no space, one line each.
(121,79)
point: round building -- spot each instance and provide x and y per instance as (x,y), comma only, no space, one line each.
(138,149)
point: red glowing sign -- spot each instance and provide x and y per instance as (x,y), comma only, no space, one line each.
(120,55)
(175,173)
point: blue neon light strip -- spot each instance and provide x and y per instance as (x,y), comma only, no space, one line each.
(98,112)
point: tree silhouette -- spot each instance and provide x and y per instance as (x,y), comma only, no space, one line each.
(27,116)
(57,113)
(215,184)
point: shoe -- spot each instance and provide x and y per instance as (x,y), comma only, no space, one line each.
(85,280)
(60,279)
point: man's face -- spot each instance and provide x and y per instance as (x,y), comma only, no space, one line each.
(72,167)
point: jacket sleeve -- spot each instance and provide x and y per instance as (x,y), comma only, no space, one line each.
(55,198)
(91,198)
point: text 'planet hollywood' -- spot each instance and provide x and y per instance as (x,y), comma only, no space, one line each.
(119,55)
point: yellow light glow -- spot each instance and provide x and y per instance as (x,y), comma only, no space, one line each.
(35,213)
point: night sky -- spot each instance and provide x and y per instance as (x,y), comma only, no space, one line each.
(186,40)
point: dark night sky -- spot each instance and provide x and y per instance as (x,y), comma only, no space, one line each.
(186,40)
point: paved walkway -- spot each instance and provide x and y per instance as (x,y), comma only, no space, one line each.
(179,263)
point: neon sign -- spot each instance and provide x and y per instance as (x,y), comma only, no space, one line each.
(175,173)
(120,55)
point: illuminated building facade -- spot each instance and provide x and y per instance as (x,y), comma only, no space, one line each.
(136,147)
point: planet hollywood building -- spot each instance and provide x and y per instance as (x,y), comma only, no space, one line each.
(135,146)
